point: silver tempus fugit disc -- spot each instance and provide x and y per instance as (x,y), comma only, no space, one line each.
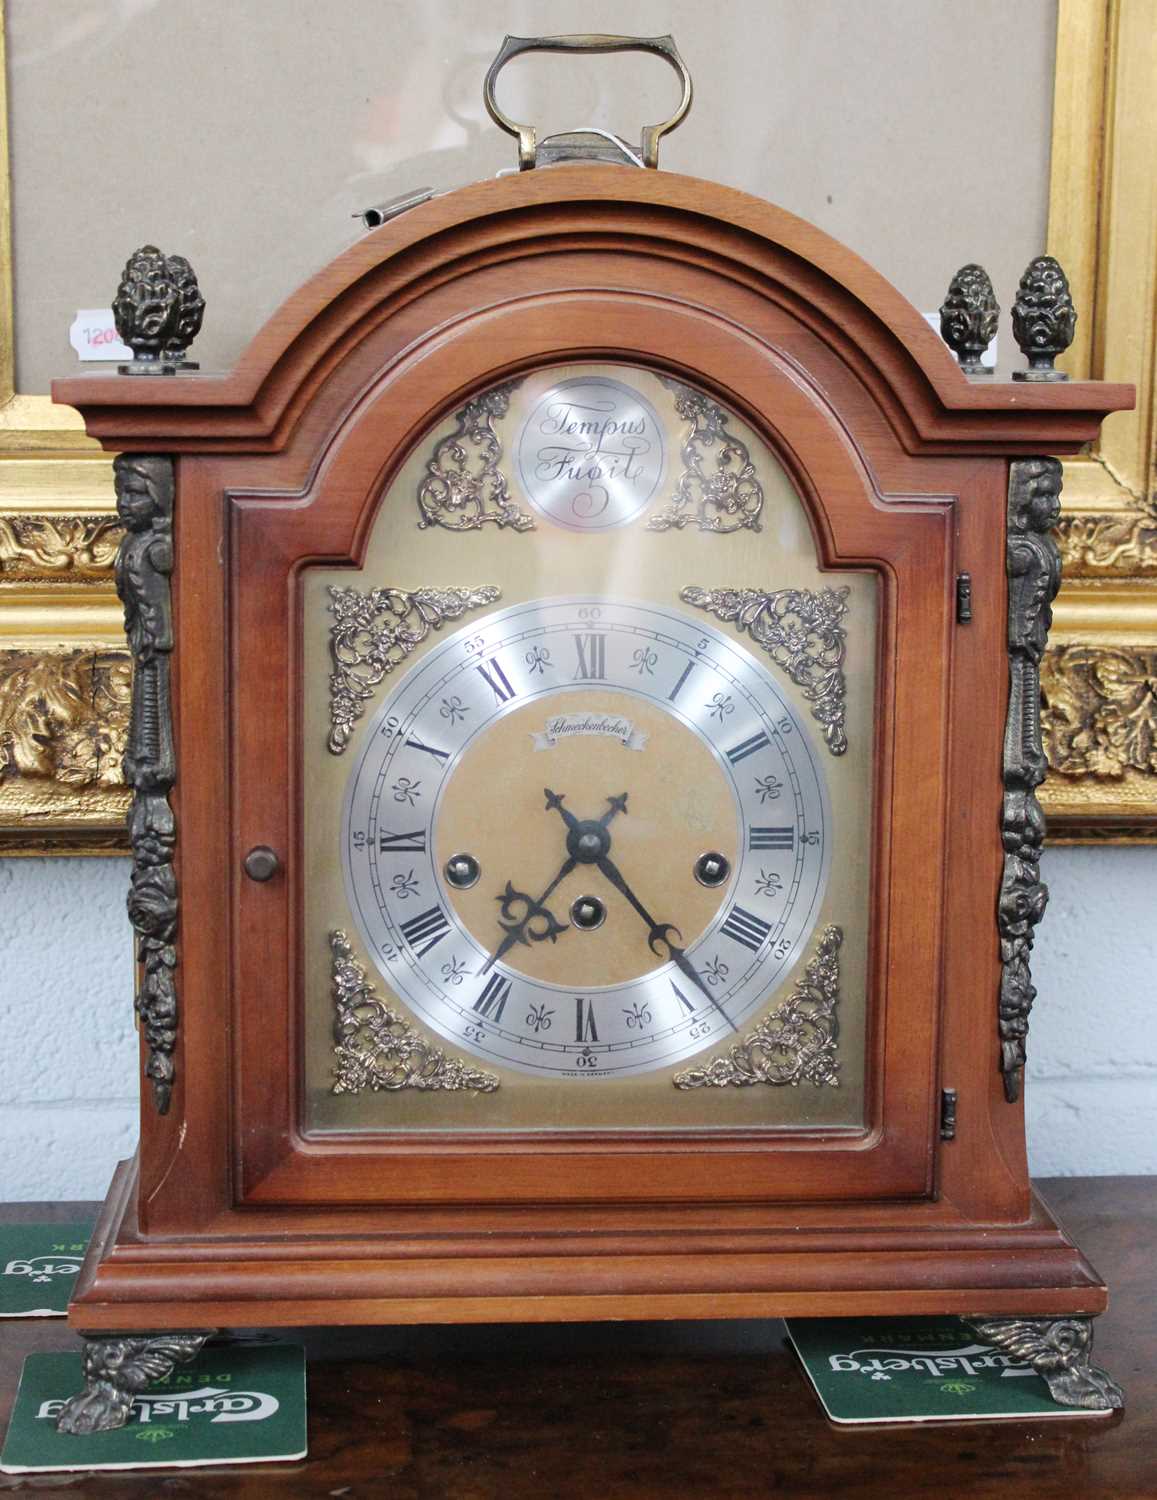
(591,454)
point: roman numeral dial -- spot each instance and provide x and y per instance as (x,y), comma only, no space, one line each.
(527,829)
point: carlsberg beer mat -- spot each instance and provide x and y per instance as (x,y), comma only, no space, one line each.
(234,1404)
(38,1267)
(917,1370)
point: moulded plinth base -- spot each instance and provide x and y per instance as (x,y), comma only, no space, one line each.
(131,1282)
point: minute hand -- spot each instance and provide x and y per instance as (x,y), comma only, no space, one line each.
(659,934)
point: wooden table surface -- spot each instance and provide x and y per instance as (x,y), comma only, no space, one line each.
(674,1410)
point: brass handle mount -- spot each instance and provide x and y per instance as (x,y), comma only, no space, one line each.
(527,136)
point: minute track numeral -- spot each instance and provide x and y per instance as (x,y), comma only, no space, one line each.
(744,927)
(492,1001)
(745,748)
(496,679)
(592,657)
(425,930)
(771,838)
(403,843)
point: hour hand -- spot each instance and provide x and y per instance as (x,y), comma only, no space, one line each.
(616,805)
(537,924)
(554,804)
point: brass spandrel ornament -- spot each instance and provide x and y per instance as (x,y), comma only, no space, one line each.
(376,1048)
(719,488)
(795,1044)
(465,487)
(804,633)
(374,631)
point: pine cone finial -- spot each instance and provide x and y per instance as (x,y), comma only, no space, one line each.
(969,317)
(158,310)
(1043,319)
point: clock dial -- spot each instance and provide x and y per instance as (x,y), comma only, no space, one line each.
(585,837)
(589,747)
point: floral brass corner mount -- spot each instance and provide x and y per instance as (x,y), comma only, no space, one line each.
(727,498)
(802,631)
(463,488)
(377,1049)
(374,631)
(795,1044)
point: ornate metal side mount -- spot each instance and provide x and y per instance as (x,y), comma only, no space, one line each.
(158,311)
(795,1044)
(117,1369)
(728,498)
(1059,1350)
(376,629)
(376,1048)
(802,631)
(1043,319)
(968,317)
(144,490)
(463,489)
(1034,575)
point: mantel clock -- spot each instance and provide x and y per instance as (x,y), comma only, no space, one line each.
(585,731)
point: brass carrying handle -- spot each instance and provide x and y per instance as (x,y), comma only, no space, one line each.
(512,46)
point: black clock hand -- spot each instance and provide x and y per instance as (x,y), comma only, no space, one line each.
(516,931)
(520,930)
(618,805)
(659,934)
(554,803)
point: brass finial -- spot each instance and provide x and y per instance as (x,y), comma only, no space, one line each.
(969,317)
(1043,319)
(158,311)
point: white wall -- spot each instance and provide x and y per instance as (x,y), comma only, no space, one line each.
(68,1058)
(68,1078)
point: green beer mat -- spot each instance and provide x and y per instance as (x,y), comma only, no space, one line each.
(38,1266)
(234,1404)
(917,1370)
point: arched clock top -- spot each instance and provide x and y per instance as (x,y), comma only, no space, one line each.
(652,236)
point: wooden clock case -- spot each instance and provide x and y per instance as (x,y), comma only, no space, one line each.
(230,1215)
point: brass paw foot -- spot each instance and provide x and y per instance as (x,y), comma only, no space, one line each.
(1059,1350)
(117,1369)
